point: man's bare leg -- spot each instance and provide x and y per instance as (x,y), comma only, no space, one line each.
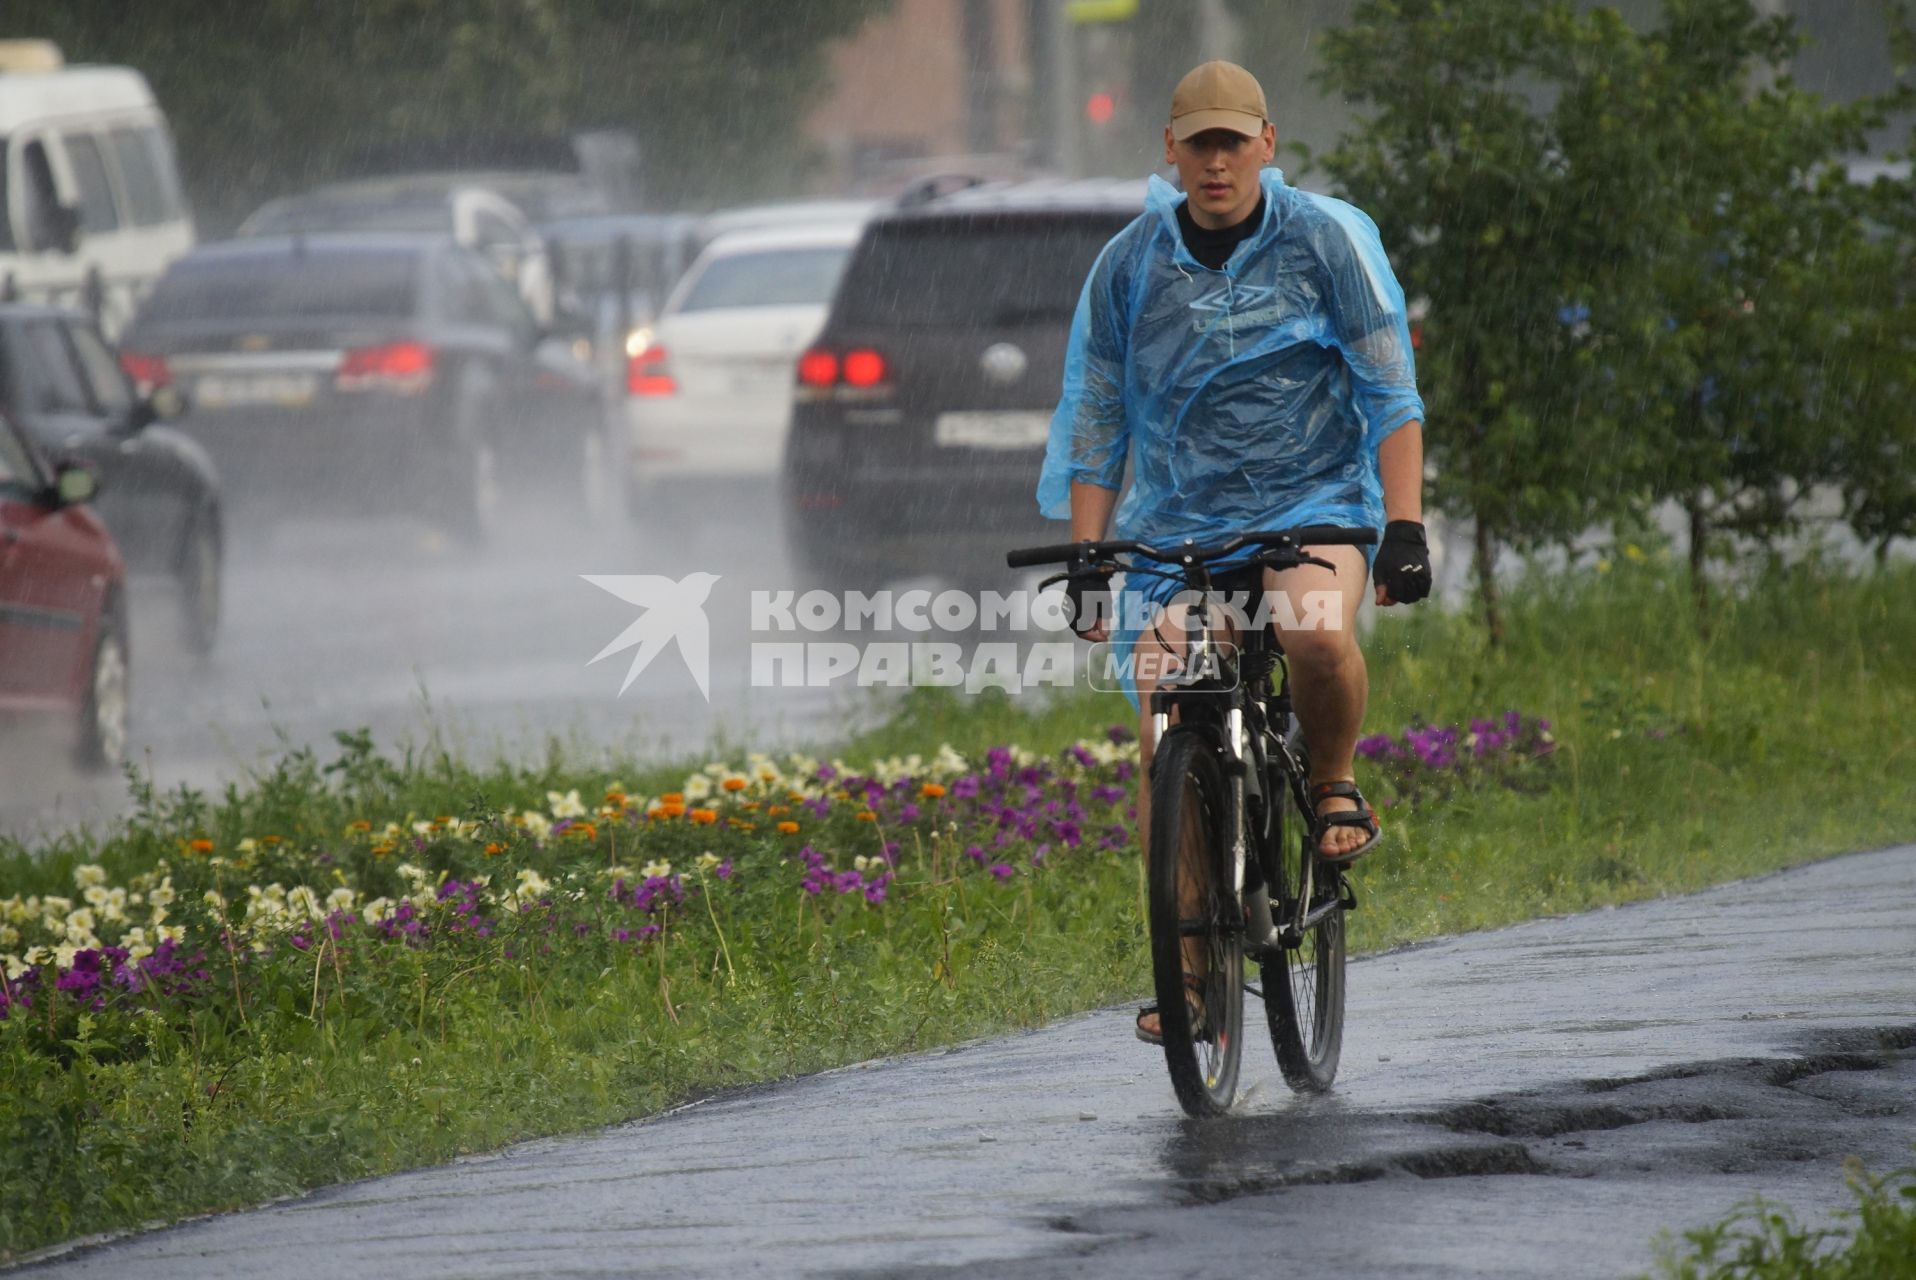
(1329,683)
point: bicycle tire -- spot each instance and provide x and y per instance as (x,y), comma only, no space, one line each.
(1187,813)
(1304,987)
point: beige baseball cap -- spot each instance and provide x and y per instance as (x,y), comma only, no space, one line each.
(1218,95)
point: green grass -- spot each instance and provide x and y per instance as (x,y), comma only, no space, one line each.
(1685,759)
(1761,1241)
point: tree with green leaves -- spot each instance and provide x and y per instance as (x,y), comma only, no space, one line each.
(1464,173)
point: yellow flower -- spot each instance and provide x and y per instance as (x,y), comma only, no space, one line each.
(658,868)
(708,860)
(1633,553)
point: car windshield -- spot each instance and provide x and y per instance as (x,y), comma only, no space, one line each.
(768,278)
(310,284)
(972,272)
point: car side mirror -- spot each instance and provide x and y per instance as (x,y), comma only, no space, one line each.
(74,483)
(66,228)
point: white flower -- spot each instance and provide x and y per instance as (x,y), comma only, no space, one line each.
(172,933)
(656,868)
(716,769)
(89,875)
(863,863)
(214,899)
(16,967)
(247,845)
(536,824)
(532,886)
(137,947)
(566,806)
(56,906)
(708,860)
(63,955)
(948,763)
(340,899)
(697,787)
(9,936)
(378,909)
(162,894)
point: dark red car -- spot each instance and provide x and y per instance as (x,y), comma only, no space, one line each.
(63,646)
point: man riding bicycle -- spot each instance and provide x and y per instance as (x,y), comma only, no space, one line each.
(1244,346)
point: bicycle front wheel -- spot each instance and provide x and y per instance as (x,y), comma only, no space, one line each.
(1304,985)
(1195,928)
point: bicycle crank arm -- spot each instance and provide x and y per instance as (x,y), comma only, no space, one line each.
(1293,934)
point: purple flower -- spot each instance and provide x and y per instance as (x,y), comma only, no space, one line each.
(1002,871)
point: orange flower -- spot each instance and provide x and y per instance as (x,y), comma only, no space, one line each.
(773,810)
(494,849)
(200,846)
(866,815)
(931,791)
(788,828)
(615,796)
(672,797)
(361,825)
(842,795)
(704,817)
(794,796)
(271,840)
(743,826)
(583,831)
(672,808)
(382,850)
(733,784)
(750,806)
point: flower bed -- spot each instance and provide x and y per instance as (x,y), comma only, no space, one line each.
(325,919)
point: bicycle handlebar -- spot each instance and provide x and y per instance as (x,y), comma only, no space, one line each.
(1191,552)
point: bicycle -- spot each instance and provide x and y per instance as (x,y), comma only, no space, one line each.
(1229,795)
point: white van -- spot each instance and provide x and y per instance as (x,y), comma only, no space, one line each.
(91,210)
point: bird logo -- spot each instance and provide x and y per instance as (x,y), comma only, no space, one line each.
(670,612)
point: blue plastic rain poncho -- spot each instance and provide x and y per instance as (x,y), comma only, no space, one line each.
(1251,397)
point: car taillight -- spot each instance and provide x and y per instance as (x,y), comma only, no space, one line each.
(393,366)
(859,374)
(818,368)
(648,374)
(148,371)
(865,368)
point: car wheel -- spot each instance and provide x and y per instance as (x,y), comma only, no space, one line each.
(472,505)
(602,489)
(200,584)
(103,714)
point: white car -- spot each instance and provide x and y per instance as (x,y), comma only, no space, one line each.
(709,383)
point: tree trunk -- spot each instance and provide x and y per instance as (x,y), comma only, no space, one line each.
(1487,595)
(1699,556)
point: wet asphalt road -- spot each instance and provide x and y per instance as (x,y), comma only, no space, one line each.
(385,624)
(1538,1100)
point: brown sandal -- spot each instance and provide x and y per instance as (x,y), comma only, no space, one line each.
(1193,1001)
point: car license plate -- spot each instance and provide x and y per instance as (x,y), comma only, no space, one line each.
(235,391)
(1001,430)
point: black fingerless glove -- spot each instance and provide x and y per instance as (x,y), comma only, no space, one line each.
(1087,593)
(1402,567)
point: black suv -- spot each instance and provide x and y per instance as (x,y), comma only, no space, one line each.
(921,410)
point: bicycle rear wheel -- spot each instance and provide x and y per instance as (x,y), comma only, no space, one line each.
(1304,986)
(1195,916)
